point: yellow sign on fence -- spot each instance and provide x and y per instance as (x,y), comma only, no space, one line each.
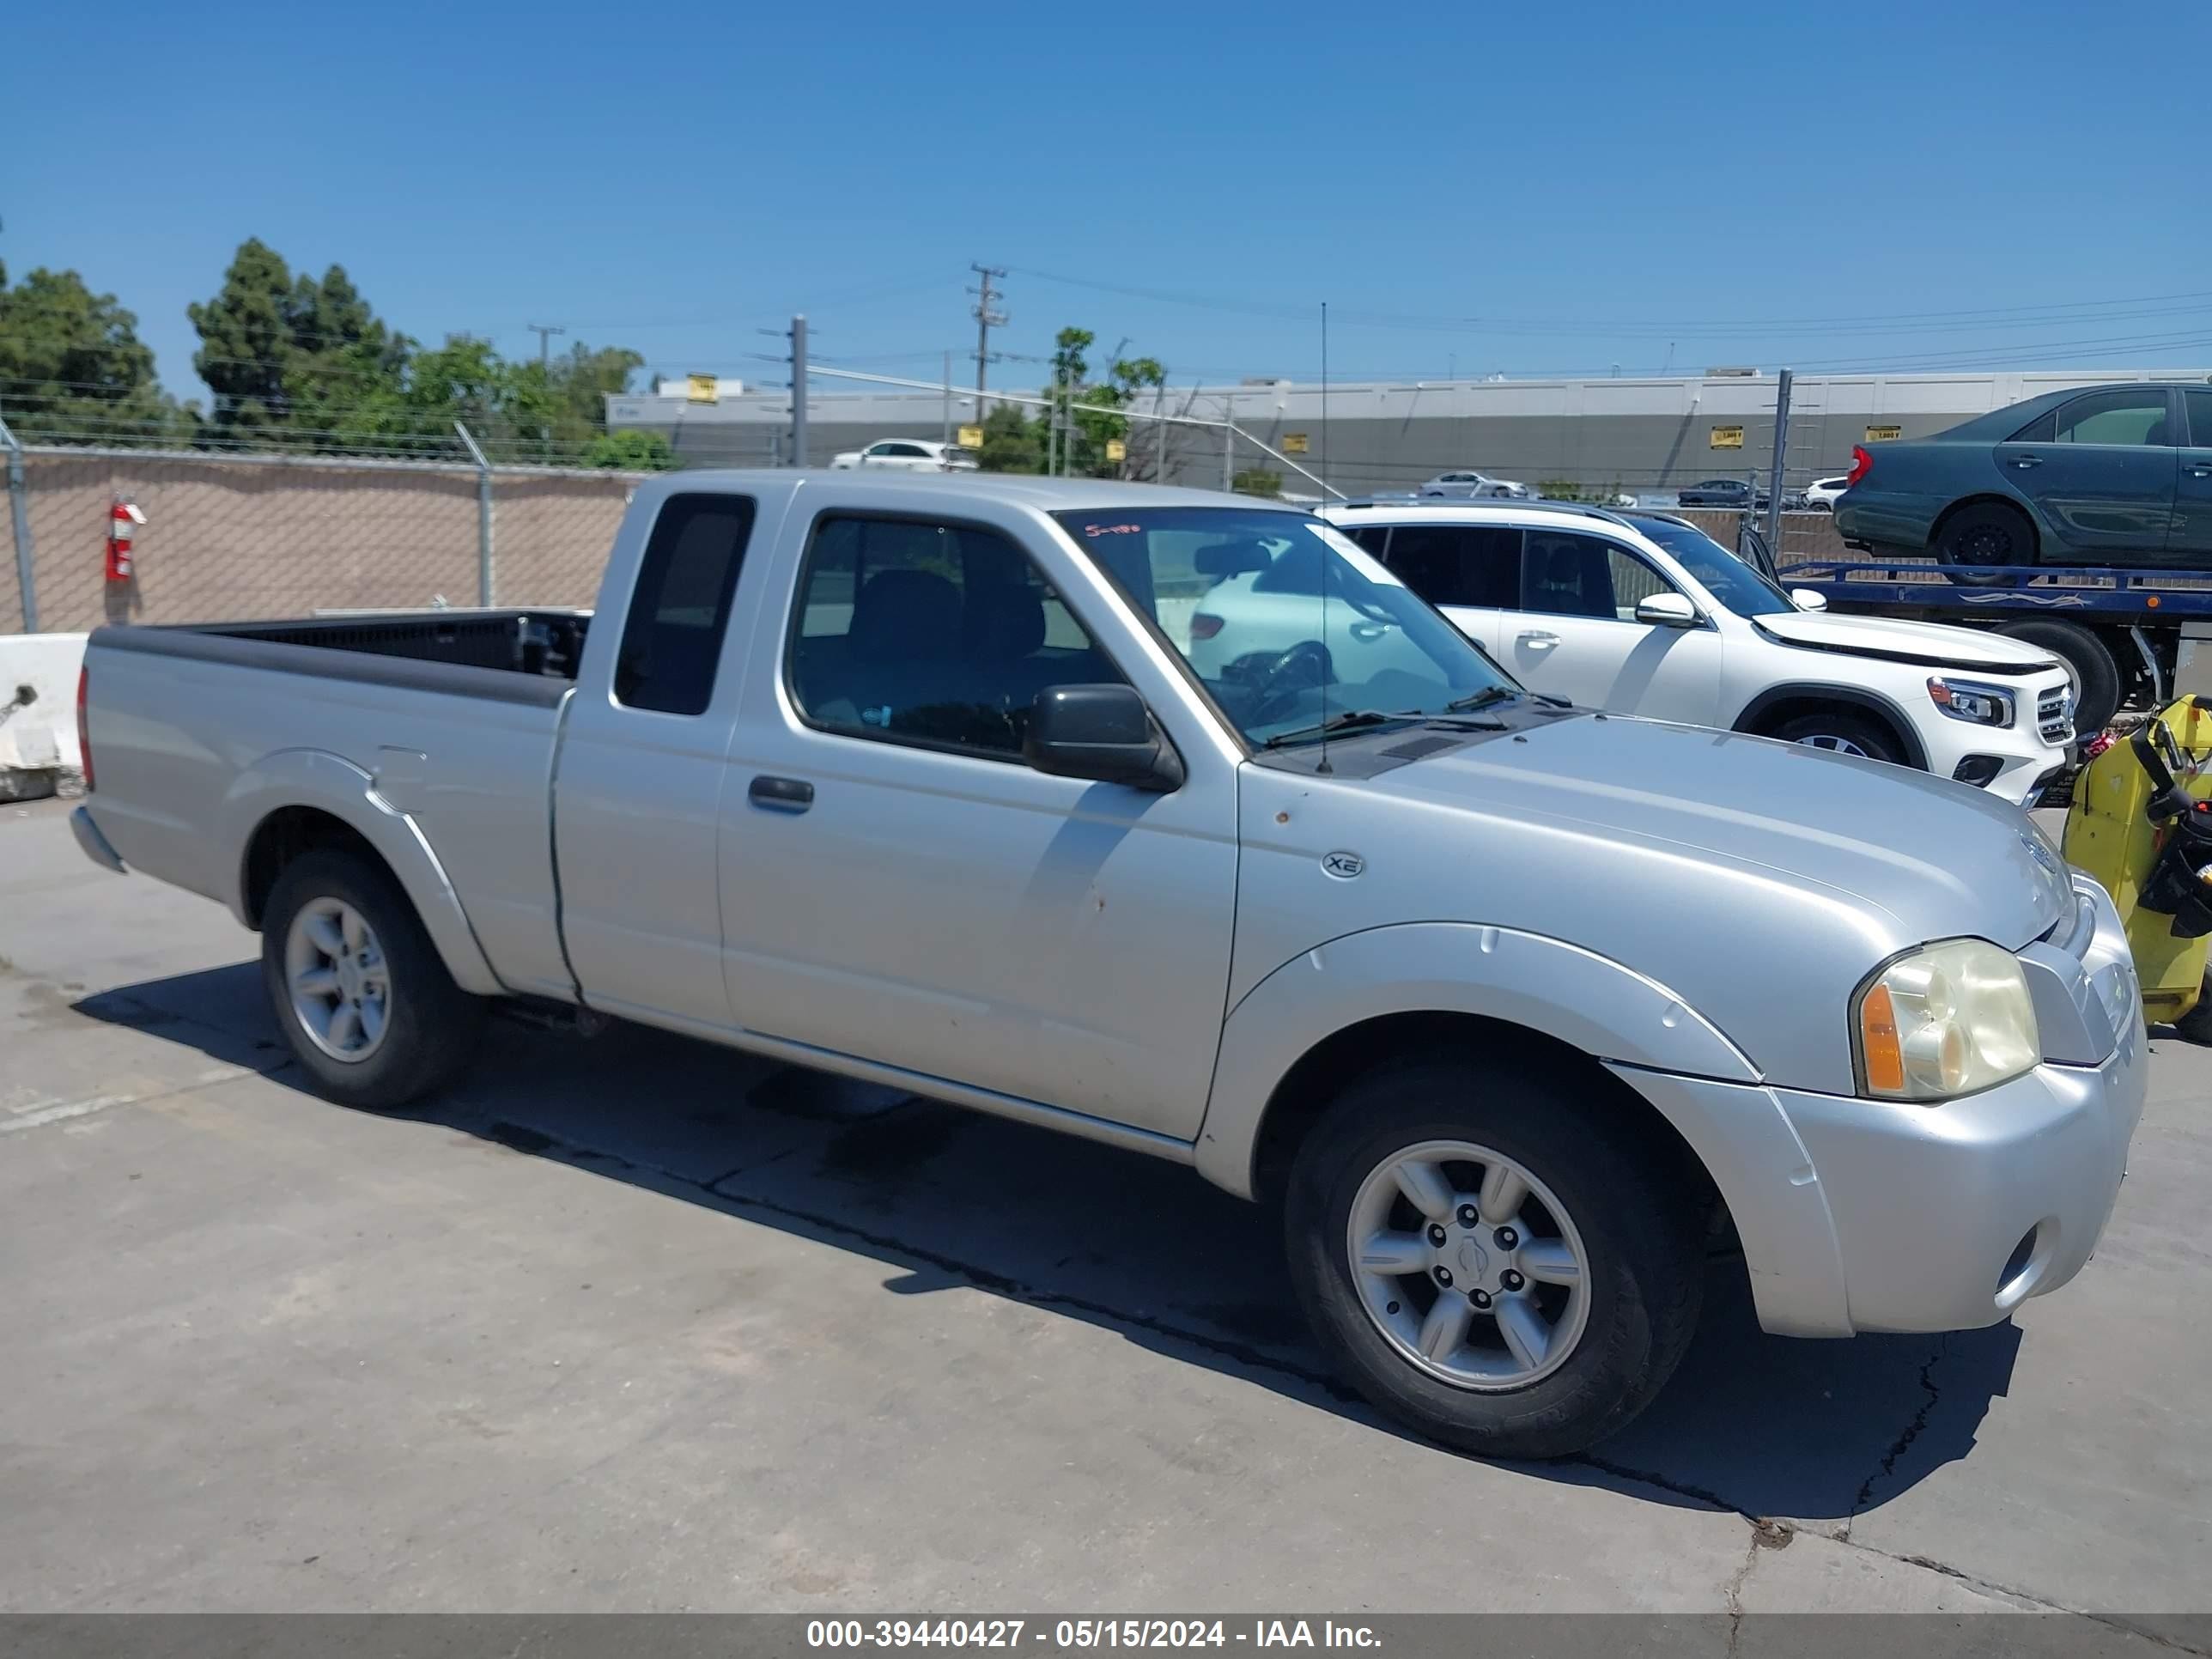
(1116,450)
(1728,437)
(1882,435)
(702,389)
(1294,443)
(970,437)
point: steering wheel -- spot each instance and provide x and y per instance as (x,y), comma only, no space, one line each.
(1304,667)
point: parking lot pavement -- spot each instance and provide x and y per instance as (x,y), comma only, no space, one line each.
(639,1323)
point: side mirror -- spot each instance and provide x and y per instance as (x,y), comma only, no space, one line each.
(1668,611)
(1809,599)
(1103,733)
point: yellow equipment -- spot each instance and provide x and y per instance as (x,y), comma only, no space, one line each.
(2141,825)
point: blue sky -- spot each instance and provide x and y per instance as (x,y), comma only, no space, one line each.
(1551,189)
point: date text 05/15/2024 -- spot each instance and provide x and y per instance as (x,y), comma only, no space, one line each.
(1003,1632)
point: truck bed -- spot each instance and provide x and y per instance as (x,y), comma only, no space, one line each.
(1925,590)
(448,721)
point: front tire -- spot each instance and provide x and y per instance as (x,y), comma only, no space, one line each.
(1567,1282)
(357,987)
(1844,734)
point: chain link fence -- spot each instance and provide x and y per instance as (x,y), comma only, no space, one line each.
(239,537)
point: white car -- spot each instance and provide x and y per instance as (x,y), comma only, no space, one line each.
(1643,613)
(910,455)
(1476,486)
(1820,495)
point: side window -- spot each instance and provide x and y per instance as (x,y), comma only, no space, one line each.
(680,609)
(932,634)
(2200,418)
(2134,416)
(1373,538)
(1565,575)
(1459,563)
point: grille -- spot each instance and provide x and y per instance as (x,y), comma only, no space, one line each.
(2054,715)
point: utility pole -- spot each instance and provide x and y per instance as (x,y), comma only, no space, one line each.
(799,391)
(1781,455)
(545,331)
(988,316)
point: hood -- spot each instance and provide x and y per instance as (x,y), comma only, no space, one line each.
(1914,858)
(1934,644)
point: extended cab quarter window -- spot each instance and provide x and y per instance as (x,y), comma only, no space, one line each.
(680,609)
(934,634)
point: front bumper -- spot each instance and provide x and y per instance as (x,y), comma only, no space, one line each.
(1872,1215)
(1948,1218)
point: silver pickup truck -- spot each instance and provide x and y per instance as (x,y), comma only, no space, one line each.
(1519,1011)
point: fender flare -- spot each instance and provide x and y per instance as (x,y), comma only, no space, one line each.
(1607,1011)
(330,783)
(1916,751)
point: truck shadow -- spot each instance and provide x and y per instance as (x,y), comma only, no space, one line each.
(943,1197)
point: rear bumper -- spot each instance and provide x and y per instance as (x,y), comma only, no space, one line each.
(94,843)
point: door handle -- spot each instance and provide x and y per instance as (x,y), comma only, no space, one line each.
(2025,461)
(781,794)
(1540,639)
(1368,632)
(2199,468)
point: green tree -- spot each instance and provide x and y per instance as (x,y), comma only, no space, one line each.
(73,368)
(245,341)
(630,451)
(1011,442)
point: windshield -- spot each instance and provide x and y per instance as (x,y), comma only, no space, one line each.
(1725,576)
(1286,623)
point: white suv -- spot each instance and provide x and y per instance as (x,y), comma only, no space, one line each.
(1645,614)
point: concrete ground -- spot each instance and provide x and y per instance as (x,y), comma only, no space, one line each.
(637,1323)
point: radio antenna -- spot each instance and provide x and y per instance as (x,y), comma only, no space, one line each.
(1328,662)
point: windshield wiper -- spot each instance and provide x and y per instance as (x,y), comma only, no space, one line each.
(1483,699)
(1352,721)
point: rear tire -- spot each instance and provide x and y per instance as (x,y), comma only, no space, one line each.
(357,987)
(1986,533)
(1541,1367)
(2090,662)
(1845,734)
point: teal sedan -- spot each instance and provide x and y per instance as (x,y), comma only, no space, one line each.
(2116,475)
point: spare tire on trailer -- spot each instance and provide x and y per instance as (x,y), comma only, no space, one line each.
(2096,674)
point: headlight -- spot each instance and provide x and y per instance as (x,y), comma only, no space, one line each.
(1944,1020)
(1969,700)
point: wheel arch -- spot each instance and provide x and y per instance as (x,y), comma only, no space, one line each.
(1779,704)
(296,800)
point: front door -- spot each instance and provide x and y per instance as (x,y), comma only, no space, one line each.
(900,886)
(2190,541)
(1576,635)
(2102,470)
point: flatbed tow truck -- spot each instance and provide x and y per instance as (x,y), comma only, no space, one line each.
(2132,638)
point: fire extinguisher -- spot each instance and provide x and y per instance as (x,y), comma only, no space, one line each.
(123,521)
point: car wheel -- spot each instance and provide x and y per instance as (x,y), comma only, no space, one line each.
(359,990)
(1489,1258)
(1987,533)
(1843,733)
